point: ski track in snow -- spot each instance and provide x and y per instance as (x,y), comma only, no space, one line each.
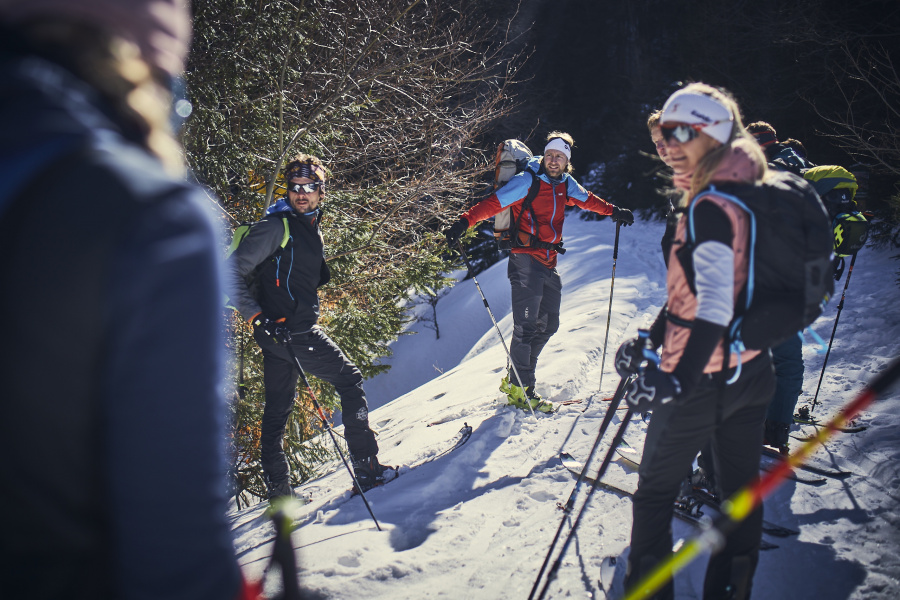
(477,522)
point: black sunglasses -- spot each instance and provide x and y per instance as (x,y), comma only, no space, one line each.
(682,133)
(309,188)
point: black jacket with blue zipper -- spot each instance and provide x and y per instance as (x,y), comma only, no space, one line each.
(281,283)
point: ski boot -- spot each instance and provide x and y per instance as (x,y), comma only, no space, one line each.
(523,398)
(370,473)
(701,480)
(776,435)
(504,384)
(279,489)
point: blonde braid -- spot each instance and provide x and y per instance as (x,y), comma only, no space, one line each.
(114,67)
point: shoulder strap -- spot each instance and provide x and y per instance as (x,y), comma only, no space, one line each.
(243,229)
(287,231)
(691,238)
(533,190)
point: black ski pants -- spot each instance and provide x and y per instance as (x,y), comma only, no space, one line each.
(319,356)
(536,298)
(730,419)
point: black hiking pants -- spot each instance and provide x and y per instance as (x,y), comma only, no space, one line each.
(321,357)
(536,298)
(731,420)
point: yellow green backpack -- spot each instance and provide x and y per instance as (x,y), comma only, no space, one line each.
(837,188)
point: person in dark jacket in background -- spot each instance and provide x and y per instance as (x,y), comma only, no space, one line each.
(286,281)
(788,355)
(536,286)
(114,446)
(789,155)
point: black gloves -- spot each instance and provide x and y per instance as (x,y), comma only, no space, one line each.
(651,389)
(632,353)
(276,331)
(623,216)
(455,232)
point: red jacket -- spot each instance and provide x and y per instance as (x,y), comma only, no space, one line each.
(548,206)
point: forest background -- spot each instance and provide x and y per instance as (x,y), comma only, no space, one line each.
(406,100)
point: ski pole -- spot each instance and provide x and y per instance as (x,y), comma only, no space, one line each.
(570,503)
(620,433)
(286,338)
(612,284)
(834,329)
(515,371)
(744,501)
(283,549)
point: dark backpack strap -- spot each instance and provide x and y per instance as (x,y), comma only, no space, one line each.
(533,190)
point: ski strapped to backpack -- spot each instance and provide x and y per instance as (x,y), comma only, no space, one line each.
(512,158)
(789,269)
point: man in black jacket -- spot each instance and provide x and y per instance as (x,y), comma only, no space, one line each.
(286,281)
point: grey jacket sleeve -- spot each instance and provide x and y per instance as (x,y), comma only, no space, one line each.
(261,242)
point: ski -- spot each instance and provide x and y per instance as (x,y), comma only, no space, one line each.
(629,454)
(701,495)
(820,469)
(609,399)
(568,402)
(816,423)
(793,476)
(607,574)
(461,438)
(704,497)
(680,512)
(632,457)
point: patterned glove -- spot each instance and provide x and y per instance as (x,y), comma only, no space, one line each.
(652,388)
(632,353)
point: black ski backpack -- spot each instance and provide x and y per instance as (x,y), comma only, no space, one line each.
(788,159)
(790,250)
(512,158)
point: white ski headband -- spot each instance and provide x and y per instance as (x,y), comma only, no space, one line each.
(694,108)
(560,145)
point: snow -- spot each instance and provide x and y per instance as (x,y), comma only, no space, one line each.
(477,523)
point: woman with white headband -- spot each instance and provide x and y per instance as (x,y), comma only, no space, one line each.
(706,143)
(536,286)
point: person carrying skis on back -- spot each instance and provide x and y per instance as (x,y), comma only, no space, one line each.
(535,282)
(288,278)
(691,402)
